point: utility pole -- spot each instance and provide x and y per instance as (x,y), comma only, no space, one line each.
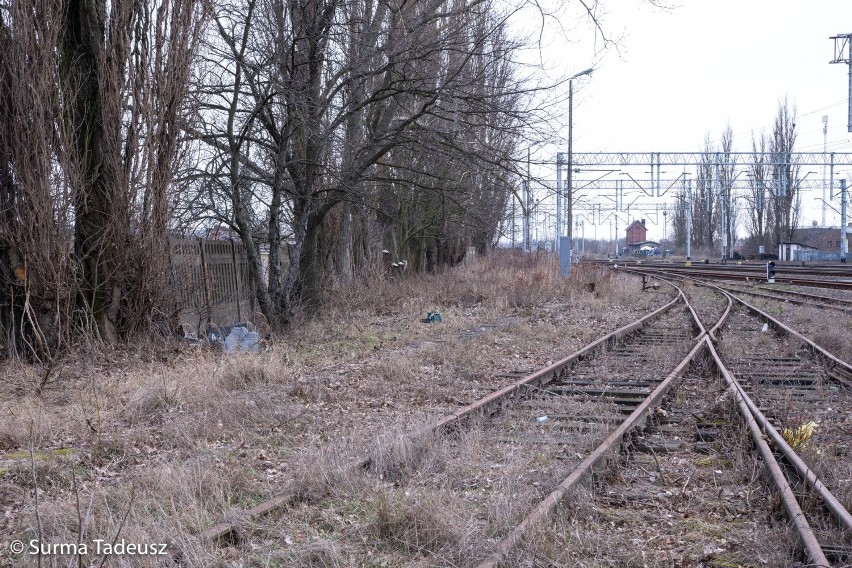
(824,150)
(527,244)
(558,201)
(595,223)
(514,219)
(616,234)
(842,55)
(577,223)
(844,244)
(570,194)
(721,197)
(688,218)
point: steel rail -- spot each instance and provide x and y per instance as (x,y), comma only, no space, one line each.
(221,531)
(757,424)
(636,418)
(777,324)
(546,375)
(788,498)
(802,470)
(725,314)
(546,506)
(712,331)
(843,270)
(827,299)
(748,276)
(809,301)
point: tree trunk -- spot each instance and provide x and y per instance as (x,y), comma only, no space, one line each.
(97,238)
(312,269)
(344,253)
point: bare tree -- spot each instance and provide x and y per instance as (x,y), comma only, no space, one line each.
(758,199)
(726,172)
(109,88)
(329,104)
(704,203)
(785,174)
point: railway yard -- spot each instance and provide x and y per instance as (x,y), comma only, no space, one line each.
(636,414)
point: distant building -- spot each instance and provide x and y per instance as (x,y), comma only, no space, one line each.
(644,247)
(222,233)
(822,238)
(789,250)
(814,243)
(636,233)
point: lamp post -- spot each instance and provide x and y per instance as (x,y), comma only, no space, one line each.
(570,196)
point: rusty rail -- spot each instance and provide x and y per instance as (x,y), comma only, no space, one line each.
(223,530)
(802,470)
(757,424)
(794,512)
(545,507)
(546,375)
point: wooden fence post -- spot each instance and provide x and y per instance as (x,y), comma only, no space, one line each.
(208,300)
(236,279)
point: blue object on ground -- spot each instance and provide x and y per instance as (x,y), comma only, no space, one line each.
(241,339)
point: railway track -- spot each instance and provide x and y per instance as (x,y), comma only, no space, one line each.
(837,276)
(793,297)
(794,391)
(824,545)
(641,399)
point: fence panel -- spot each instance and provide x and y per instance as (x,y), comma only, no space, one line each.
(213,282)
(812,255)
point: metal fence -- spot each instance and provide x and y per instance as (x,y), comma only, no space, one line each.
(213,282)
(809,255)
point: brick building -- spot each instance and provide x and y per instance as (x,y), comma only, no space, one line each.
(636,232)
(822,238)
(814,243)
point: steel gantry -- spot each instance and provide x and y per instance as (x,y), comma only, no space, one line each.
(657,159)
(842,55)
(783,170)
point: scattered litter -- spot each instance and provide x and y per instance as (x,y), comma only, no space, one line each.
(712,549)
(765,328)
(541,419)
(432,317)
(241,339)
(796,437)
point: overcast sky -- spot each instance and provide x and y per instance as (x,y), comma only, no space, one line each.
(682,73)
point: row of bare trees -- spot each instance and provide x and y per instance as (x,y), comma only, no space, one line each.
(91,98)
(772,200)
(345,128)
(325,134)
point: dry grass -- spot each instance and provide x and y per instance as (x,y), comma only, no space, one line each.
(178,440)
(617,524)
(830,329)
